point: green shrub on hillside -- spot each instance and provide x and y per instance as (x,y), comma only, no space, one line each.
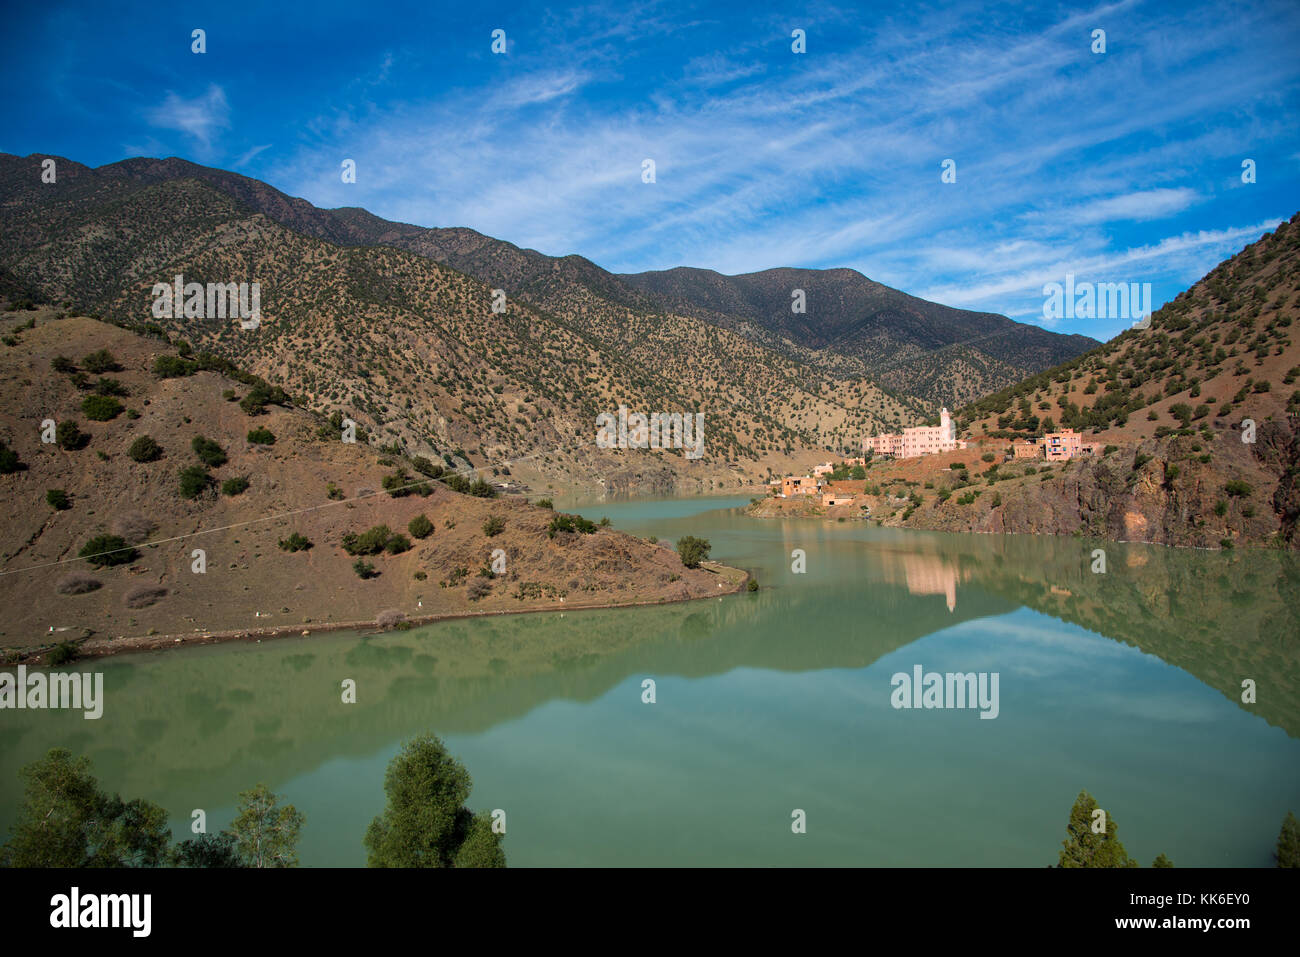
(106,550)
(209,452)
(101,408)
(144,449)
(194,481)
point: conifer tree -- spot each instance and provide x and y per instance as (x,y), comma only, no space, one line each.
(1288,842)
(1086,848)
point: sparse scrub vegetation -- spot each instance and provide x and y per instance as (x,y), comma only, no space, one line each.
(107,550)
(209,452)
(78,583)
(145,449)
(144,595)
(295,543)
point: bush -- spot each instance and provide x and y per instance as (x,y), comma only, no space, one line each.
(260,396)
(209,452)
(397,544)
(482,489)
(101,408)
(420,526)
(77,583)
(295,543)
(478,588)
(389,618)
(69,437)
(61,654)
(370,542)
(988,457)
(235,486)
(194,481)
(144,596)
(570,523)
(427,468)
(364,569)
(333,492)
(173,367)
(62,364)
(133,526)
(753,585)
(100,361)
(398,485)
(545,503)
(1237,488)
(692,550)
(106,550)
(58,499)
(110,387)
(494,526)
(9,462)
(145,449)
(261,436)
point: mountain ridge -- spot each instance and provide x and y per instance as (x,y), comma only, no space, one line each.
(904,344)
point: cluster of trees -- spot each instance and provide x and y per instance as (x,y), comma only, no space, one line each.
(66,820)
(1092,840)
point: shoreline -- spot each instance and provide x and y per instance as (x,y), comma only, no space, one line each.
(95,646)
(794,516)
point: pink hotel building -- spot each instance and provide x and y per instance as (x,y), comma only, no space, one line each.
(921,440)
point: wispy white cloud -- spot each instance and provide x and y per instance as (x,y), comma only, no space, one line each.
(201,117)
(1066,160)
(249,156)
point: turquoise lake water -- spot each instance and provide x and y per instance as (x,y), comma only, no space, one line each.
(1126,684)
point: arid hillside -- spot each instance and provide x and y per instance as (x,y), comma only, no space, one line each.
(158,453)
(1195,423)
(413,349)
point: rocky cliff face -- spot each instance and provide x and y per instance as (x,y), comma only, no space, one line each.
(1196,489)
(1170,491)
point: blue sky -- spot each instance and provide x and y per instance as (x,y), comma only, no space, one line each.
(1123,166)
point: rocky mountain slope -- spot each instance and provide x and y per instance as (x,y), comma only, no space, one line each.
(861,327)
(412,348)
(1196,422)
(855,329)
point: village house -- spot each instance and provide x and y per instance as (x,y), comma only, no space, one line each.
(799,485)
(1063,445)
(917,441)
(1026,450)
(826,468)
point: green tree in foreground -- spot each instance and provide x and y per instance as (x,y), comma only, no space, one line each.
(208,850)
(1084,847)
(67,821)
(426,823)
(693,550)
(1288,842)
(266,834)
